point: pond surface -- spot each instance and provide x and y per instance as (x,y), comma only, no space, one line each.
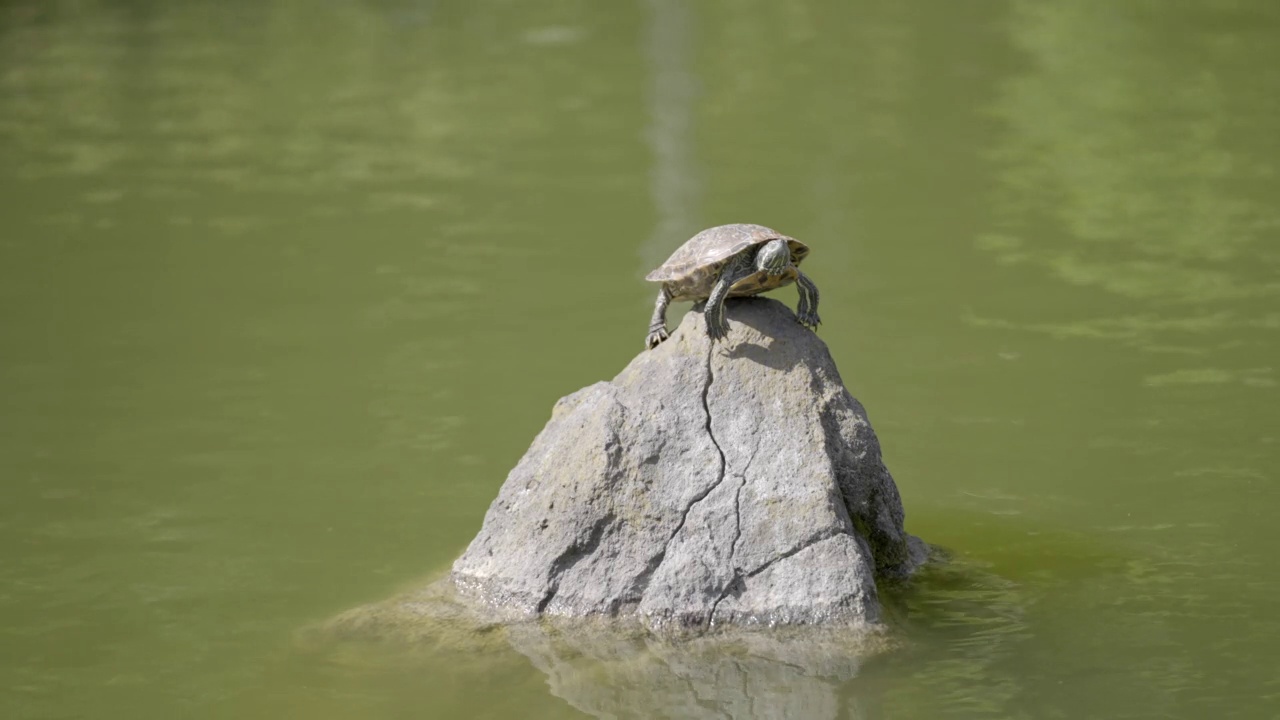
(286,288)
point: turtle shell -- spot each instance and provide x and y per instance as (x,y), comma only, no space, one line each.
(693,268)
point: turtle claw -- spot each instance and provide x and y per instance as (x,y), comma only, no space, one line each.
(655,337)
(809,319)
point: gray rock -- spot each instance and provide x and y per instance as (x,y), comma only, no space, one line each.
(736,484)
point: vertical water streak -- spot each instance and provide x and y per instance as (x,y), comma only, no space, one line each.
(672,91)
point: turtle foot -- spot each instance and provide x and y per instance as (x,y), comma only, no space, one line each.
(656,336)
(717,329)
(809,319)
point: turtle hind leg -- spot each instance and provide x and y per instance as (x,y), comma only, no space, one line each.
(807,308)
(738,268)
(658,325)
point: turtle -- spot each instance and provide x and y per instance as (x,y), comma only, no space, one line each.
(730,261)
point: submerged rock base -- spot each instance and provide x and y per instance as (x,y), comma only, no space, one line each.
(604,667)
(705,485)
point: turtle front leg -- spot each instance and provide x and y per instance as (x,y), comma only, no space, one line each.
(658,325)
(807,312)
(717,327)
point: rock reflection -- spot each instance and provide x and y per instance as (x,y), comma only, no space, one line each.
(795,674)
(612,671)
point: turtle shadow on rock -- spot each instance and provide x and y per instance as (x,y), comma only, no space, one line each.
(767,344)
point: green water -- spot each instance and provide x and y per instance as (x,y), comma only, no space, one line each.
(287,287)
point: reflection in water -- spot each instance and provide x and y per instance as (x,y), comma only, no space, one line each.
(673,182)
(953,629)
(754,675)
(1131,165)
(1001,645)
(286,287)
(612,671)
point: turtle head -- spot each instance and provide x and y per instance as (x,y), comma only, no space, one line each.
(773,257)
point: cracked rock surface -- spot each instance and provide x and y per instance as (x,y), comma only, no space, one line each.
(738,484)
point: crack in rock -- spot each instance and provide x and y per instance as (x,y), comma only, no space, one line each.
(571,556)
(706,407)
(736,582)
(642,580)
(825,534)
(737,506)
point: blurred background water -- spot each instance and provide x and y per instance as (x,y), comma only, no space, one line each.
(287,287)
